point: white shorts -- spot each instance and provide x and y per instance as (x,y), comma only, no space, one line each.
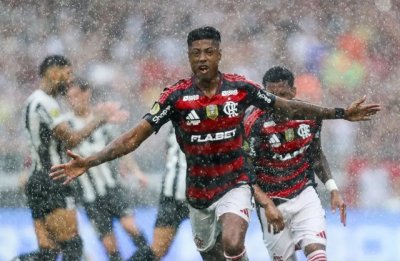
(205,225)
(304,224)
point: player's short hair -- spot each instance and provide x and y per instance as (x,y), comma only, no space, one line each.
(202,33)
(52,60)
(278,74)
(82,83)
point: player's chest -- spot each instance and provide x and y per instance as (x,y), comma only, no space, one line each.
(288,134)
(225,105)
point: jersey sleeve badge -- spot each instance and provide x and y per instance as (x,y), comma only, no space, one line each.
(155,109)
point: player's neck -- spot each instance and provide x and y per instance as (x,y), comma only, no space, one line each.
(47,89)
(208,86)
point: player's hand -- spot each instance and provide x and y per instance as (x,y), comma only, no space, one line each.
(70,170)
(338,203)
(358,111)
(274,218)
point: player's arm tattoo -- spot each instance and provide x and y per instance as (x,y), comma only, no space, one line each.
(294,109)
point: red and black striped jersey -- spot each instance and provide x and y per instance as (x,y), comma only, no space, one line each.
(210,132)
(281,152)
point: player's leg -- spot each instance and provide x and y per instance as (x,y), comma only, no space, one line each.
(219,230)
(120,207)
(170,215)
(233,212)
(130,226)
(101,218)
(110,244)
(36,192)
(309,225)
(63,224)
(47,247)
(206,232)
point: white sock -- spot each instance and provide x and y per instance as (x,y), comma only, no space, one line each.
(318,255)
(241,257)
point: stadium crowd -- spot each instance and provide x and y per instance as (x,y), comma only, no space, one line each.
(130,50)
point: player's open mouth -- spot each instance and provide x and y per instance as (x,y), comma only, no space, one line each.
(203,68)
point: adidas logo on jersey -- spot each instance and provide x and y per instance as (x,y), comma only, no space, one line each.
(192,118)
(274,141)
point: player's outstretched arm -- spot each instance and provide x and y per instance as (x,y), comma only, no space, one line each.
(122,145)
(294,109)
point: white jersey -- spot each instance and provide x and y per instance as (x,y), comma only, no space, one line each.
(174,181)
(42,115)
(98,179)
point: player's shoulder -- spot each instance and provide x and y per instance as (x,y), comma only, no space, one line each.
(40,97)
(239,78)
(180,85)
(176,88)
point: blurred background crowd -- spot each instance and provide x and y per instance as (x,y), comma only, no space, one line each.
(339,51)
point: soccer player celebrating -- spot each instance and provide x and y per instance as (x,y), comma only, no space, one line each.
(207,112)
(100,189)
(286,155)
(51,203)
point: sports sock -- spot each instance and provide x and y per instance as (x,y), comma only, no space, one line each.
(318,255)
(72,249)
(241,257)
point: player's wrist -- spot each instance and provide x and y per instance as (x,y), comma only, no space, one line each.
(331,186)
(340,113)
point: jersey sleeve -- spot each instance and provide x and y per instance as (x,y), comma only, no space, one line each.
(161,111)
(50,113)
(260,98)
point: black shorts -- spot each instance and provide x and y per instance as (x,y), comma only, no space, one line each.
(171,212)
(45,195)
(104,209)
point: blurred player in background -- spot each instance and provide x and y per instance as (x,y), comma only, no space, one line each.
(51,203)
(172,208)
(287,155)
(207,112)
(100,189)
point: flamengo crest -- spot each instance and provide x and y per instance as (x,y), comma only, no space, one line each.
(230,109)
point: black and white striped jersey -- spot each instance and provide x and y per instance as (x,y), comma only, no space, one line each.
(42,115)
(174,180)
(99,179)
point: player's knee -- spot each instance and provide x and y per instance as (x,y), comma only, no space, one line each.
(233,244)
(72,249)
(312,247)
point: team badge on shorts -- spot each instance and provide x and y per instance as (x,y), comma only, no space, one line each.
(212,111)
(155,109)
(198,241)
